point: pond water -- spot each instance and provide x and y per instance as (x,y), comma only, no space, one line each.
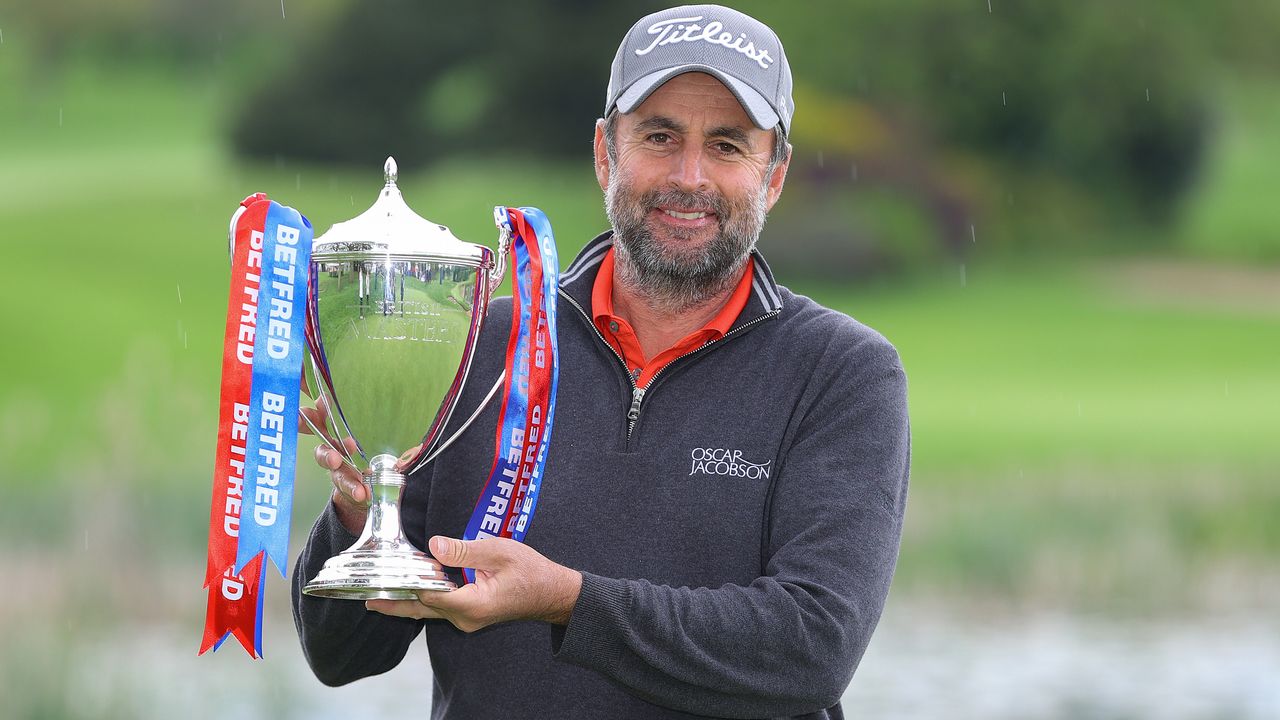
(923,663)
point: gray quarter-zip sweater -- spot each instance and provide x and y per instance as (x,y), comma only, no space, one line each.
(736,525)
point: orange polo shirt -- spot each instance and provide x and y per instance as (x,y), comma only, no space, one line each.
(619,334)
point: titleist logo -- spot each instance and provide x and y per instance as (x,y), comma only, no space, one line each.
(674,31)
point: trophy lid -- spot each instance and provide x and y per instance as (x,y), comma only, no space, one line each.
(391,227)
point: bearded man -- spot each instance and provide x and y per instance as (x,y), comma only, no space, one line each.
(726,483)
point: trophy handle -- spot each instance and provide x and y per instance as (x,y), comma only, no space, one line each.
(504,249)
(328,433)
(439,448)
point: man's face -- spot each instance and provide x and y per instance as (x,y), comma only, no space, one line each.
(689,186)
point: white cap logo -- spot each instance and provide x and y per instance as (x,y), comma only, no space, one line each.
(675,30)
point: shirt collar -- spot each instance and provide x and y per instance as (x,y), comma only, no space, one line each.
(602,298)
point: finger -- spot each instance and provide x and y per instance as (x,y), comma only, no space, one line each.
(486,554)
(312,414)
(408,456)
(344,477)
(314,420)
(404,608)
(461,602)
(328,458)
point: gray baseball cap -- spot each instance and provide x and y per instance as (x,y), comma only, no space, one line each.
(738,50)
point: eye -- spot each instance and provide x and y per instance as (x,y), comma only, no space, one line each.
(726,148)
(659,138)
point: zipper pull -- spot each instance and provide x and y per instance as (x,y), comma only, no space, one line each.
(634,413)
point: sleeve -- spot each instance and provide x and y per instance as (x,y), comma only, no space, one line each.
(341,640)
(789,642)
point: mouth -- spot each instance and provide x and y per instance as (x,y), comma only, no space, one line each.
(693,215)
(686,216)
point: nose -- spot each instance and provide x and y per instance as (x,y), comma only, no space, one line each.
(687,172)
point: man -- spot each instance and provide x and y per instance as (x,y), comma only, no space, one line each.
(725,486)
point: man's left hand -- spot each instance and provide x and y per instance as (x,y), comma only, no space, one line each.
(513,582)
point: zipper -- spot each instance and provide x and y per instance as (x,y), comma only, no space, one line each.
(638,393)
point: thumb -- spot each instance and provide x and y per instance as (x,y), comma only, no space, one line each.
(479,554)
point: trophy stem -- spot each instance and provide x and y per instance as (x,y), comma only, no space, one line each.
(386,488)
(382,564)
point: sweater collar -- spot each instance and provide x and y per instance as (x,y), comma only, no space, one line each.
(578,279)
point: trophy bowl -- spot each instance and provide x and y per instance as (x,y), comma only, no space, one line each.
(394,310)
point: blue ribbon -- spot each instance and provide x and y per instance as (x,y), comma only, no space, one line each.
(491,509)
(279,346)
(550,284)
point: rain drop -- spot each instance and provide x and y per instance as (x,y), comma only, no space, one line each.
(988,6)
(179,293)
(963,280)
(974,234)
(282,8)
(1148,94)
(1003,100)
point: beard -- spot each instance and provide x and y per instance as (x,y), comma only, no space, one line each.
(681,273)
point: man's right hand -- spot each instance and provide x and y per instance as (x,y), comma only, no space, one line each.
(350,496)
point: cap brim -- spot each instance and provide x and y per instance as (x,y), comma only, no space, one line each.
(753,102)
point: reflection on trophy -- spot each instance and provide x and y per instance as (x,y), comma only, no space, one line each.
(394,310)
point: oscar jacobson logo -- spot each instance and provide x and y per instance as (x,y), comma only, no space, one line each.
(723,461)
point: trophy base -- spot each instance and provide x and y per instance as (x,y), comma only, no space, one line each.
(364,575)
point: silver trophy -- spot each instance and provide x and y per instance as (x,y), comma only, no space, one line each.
(394,310)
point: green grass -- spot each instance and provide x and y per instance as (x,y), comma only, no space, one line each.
(1036,367)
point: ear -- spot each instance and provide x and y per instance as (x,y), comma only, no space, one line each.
(776,180)
(602,156)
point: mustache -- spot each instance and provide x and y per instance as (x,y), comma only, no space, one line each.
(715,202)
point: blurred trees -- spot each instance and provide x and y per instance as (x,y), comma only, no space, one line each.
(915,118)
(427,80)
(1111,96)
(1108,103)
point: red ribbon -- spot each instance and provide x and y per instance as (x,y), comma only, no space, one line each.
(539,373)
(234,603)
